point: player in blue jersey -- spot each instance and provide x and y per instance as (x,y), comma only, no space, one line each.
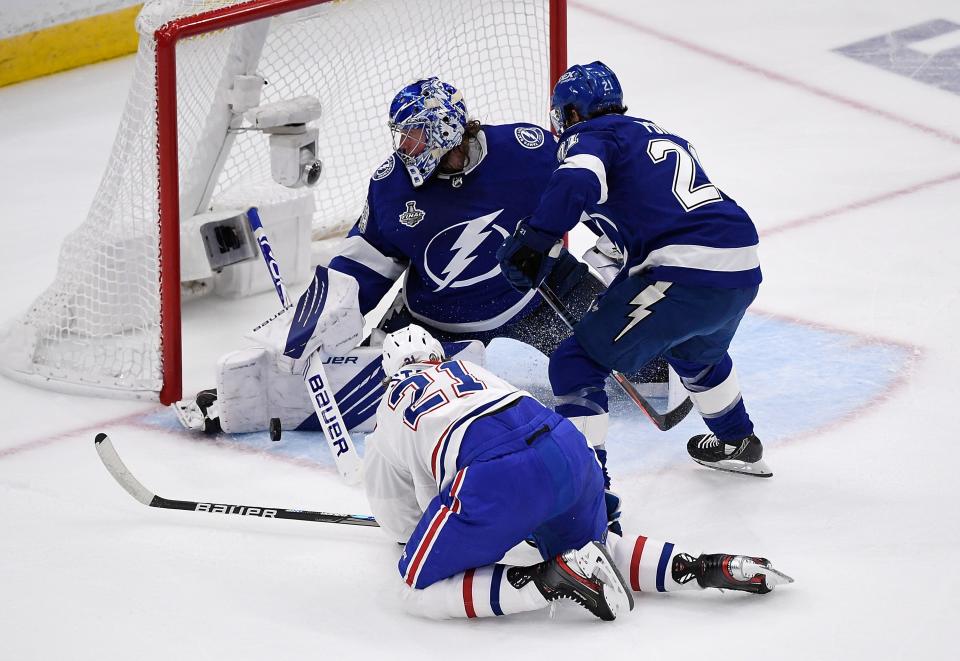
(689,262)
(462,467)
(436,211)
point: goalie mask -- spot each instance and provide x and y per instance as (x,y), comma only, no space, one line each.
(427,119)
(409,345)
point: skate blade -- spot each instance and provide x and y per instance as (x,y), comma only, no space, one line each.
(615,590)
(757,468)
(774,577)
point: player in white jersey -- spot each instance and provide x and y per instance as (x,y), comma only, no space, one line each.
(462,467)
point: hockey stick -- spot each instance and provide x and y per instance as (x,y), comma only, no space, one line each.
(260,235)
(325,406)
(662,421)
(123,476)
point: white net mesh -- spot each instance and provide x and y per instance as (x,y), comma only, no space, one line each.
(98,326)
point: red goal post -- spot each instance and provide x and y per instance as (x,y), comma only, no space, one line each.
(81,335)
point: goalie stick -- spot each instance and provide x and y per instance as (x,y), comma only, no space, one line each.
(348,461)
(115,466)
(662,421)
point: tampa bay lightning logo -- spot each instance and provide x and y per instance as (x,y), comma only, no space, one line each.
(529,136)
(384,170)
(453,257)
(566,146)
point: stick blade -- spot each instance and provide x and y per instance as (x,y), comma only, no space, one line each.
(673,418)
(115,466)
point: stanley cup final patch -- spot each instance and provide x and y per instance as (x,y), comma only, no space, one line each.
(412,216)
(529,136)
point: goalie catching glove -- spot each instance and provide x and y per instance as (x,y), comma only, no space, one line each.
(326,317)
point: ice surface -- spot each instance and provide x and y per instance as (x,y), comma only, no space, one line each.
(847,361)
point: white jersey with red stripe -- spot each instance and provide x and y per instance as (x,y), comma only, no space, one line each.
(411,456)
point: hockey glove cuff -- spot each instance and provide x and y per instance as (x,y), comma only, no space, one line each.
(527,257)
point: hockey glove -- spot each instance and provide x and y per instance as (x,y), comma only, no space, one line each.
(527,257)
(327,317)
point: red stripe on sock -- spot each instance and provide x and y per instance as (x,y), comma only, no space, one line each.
(635,563)
(468,593)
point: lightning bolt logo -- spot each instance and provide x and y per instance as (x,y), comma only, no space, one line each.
(642,301)
(471,237)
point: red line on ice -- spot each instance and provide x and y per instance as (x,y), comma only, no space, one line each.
(859,204)
(44,441)
(914,354)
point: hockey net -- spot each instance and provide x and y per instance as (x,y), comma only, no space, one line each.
(109,324)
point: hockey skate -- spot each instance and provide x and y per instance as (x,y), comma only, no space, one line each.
(201,414)
(729,572)
(587,576)
(744,456)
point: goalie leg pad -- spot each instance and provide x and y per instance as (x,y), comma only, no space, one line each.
(253,387)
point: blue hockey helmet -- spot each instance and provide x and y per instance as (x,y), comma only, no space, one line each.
(428,118)
(586,88)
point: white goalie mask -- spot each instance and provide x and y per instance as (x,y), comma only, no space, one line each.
(412,344)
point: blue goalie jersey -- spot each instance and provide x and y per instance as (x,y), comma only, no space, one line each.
(445,234)
(645,189)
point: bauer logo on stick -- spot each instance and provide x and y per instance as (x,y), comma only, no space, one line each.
(242,510)
(334,431)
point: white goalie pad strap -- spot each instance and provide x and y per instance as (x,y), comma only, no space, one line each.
(252,388)
(593,427)
(718,400)
(327,316)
